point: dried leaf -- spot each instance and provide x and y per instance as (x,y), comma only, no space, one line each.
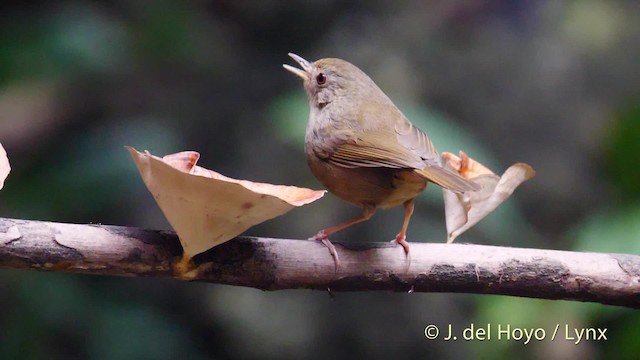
(206,208)
(465,210)
(4,166)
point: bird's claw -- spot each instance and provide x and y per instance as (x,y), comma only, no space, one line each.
(401,240)
(322,237)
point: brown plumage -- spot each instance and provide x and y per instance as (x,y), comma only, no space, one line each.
(362,148)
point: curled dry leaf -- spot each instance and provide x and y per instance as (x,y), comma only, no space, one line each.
(4,166)
(463,211)
(206,208)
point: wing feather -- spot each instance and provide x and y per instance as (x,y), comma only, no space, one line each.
(398,145)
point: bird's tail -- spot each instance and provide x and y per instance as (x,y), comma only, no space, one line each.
(447,179)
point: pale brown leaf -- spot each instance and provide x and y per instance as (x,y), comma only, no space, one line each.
(463,211)
(206,208)
(4,166)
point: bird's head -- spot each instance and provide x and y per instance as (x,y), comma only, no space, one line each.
(328,80)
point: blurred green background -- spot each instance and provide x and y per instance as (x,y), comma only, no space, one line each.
(555,84)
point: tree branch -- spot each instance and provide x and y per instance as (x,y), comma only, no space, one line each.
(272,264)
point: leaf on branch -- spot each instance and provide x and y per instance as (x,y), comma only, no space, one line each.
(4,166)
(206,208)
(463,211)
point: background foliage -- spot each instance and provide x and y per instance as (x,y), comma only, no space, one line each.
(552,83)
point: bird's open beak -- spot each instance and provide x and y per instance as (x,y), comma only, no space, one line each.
(305,73)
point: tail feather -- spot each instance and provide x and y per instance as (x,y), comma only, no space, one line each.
(447,179)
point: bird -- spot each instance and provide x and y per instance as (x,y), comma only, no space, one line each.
(363,149)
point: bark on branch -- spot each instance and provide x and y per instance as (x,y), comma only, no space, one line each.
(272,264)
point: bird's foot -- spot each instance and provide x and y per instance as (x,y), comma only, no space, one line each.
(401,240)
(322,237)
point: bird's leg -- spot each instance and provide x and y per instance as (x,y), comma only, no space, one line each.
(323,235)
(367,213)
(402,235)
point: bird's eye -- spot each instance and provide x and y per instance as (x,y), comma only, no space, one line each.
(321,79)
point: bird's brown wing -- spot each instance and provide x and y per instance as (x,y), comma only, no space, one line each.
(399,146)
(374,149)
(419,143)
